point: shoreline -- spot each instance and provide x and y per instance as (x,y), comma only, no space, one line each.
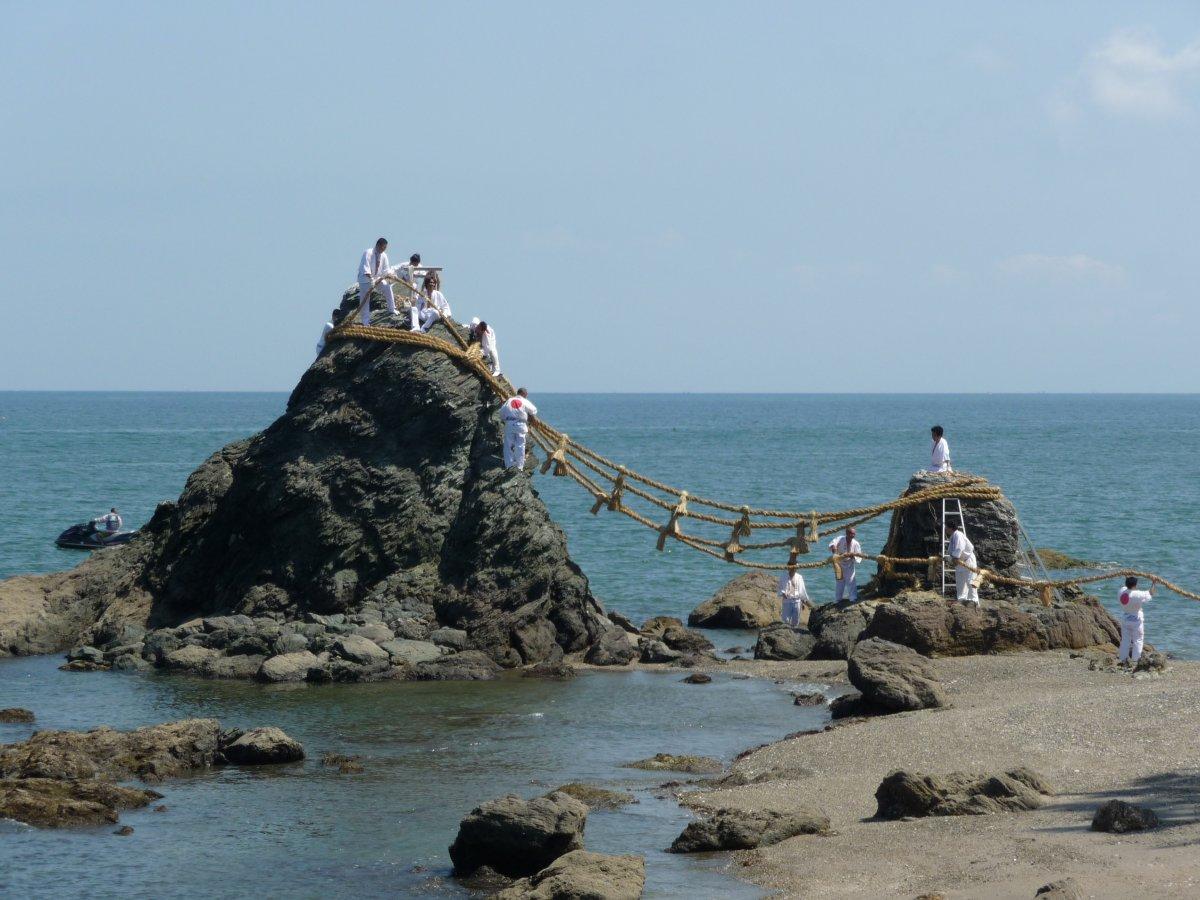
(1094,734)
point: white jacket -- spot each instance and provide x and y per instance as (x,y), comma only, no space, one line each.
(515,413)
(371,267)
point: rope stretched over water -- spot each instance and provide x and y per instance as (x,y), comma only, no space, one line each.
(566,456)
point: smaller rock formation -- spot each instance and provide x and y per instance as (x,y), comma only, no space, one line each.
(837,626)
(262,747)
(893,677)
(902,794)
(1119,817)
(614,647)
(52,802)
(518,837)
(596,797)
(669,762)
(583,875)
(741,829)
(16,715)
(697,678)
(559,671)
(749,601)
(781,642)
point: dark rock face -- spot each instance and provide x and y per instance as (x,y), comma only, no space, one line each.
(583,875)
(518,837)
(934,627)
(781,641)
(380,489)
(749,601)
(894,677)
(837,626)
(1119,817)
(615,647)
(903,794)
(737,829)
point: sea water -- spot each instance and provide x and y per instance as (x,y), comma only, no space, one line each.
(1105,478)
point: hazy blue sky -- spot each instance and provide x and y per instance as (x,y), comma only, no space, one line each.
(666,196)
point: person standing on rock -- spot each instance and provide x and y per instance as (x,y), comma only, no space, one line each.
(516,413)
(940,456)
(486,336)
(1133,627)
(372,268)
(405,274)
(431,304)
(793,596)
(845,565)
(962,552)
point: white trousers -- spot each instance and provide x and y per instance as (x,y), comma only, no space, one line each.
(1133,634)
(514,446)
(964,583)
(845,589)
(364,299)
(423,319)
(789,612)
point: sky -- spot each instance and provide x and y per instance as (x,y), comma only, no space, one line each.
(671,196)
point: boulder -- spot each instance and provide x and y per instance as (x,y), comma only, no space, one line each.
(652,651)
(615,647)
(894,677)
(16,714)
(518,837)
(656,626)
(670,762)
(52,803)
(583,875)
(288,667)
(809,698)
(559,671)
(927,623)
(470,665)
(837,626)
(228,666)
(361,651)
(697,678)
(621,621)
(902,794)
(376,632)
(1066,889)
(851,705)
(404,652)
(750,601)
(685,640)
(190,658)
(742,829)
(454,638)
(1119,817)
(782,642)
(596,797)
(261,747)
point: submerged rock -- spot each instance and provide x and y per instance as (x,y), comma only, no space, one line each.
(518,837)
(669,762)
(750,601)
(583,875)
(1119,817)
(903,794)
(53,803)
(893,677)
(16,714)
(742,829)
(596,797)
(263,747)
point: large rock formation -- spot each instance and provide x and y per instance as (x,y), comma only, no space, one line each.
(518,837)
(379,493)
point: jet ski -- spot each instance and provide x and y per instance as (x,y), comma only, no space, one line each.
(88,537)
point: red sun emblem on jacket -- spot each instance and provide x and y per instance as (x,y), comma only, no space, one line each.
(515,403)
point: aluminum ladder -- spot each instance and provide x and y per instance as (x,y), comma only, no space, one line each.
(951,507)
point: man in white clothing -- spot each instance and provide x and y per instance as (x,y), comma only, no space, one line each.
(325,329)
(962,552)
(372,268)
(1133,627)
(940,457)
(793,596)
(516,413)
(846,587)
(108,524)
(406,275)
(480,331)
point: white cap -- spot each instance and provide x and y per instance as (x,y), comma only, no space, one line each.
(474,321)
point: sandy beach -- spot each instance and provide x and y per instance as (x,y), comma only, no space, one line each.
(1095,735)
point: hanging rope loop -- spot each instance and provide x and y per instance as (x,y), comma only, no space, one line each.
(671,529)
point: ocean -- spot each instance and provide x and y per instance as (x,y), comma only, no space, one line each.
(1104,478)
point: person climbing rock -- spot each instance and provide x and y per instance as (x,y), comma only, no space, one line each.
(845,568)
(940,456)
(962,552)
(793,596)
(516,413)
(372,268)
(431,304)
(325,329)
(1133,625)
(486,336)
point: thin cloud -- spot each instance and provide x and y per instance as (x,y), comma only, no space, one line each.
(1131,73)
(1074,267)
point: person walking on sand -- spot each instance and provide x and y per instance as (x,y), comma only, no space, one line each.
(372,269)
(1133,626)
(486,336)
(845,567)
(431,304)
(962,552)
(516,414)
(939,460)
(793,596)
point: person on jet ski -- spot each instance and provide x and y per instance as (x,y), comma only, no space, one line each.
(108,525)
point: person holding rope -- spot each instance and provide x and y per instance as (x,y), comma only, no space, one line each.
(793,596)
(939,457)
(962,552)
(372,269)
(516,413)
(431,305)
(1133,627)
(845,565)
(486,336)
(405,274)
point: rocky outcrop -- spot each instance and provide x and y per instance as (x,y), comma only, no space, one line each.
(379,493)
(894,678)
(53,803)
(780,641)
(927,623)
(837,626)
(582,875)
(749,601)
(903,794)
(1119,817)
(518,837)
(15,714)
(743,829)
(670,762)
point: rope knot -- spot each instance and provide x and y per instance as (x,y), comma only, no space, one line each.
(671,529)
(740,530)
(558,458)
(798,545)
